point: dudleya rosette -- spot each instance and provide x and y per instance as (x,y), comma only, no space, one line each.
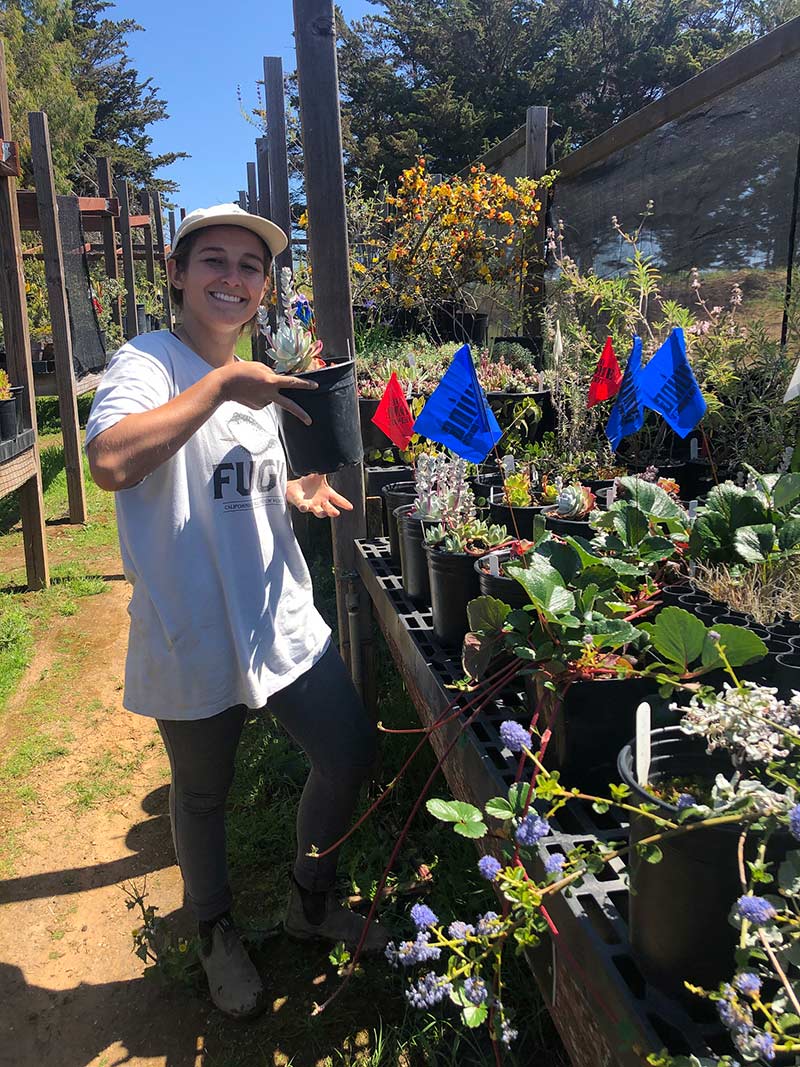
(294,348)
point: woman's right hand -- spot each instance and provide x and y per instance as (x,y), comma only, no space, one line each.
(255,385)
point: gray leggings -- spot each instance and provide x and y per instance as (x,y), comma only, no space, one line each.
(323,713)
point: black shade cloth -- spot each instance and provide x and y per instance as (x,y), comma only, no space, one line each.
(722,179)
(88,352)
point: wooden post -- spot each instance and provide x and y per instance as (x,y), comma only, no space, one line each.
(172,227)
(243,200)
(14,309)
(149,255)
(264,210)
(109,231)
(536,131)
(131,326)
(183,213)
(42,163)
(280,207)
(252,189)
(158,214)
(315,38)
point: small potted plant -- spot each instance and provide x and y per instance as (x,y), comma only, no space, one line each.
(8,409)
(442,494)
(333,439)
(519,499)
(569,516)
(452,549)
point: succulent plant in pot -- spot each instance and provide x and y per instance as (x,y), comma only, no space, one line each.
(570,514)
(452,550)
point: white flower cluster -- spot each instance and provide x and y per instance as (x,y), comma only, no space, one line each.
(442,489)
(751,723)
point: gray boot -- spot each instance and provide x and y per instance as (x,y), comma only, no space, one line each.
(233,981)
(337,923)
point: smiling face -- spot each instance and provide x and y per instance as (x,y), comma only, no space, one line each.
(223,278)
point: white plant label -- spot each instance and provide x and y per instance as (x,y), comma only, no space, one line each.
(509,465)
(693,449)
(692,510)
(611,495)
(494,566)
(643,743)
(411,360)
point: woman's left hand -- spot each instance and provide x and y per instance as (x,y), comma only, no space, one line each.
(312,493)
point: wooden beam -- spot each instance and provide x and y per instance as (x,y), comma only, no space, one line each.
(264,210)
(14,310)
(172,226)
(252,189)
(158,215)
(149,255)
(131,326)
(42,163)
(280,207)
(537,125)
(243,200)
(740,67)
(109,232)
(315,39)
(94,210)
(183,213)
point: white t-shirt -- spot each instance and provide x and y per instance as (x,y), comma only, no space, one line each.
(222,610)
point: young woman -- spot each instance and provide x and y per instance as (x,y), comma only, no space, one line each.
(222,611)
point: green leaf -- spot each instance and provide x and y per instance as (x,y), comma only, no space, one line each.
(487,613)
(467,819)
(786,492)
(789,535)
(470,829)
(589,558)
(651,853)
(545,586)
(477,652)
(742,646)
(474,1015)
(651,499)
(754,543)
(518,796)
(677,635)
(497,808)
(563,557)
(654,549)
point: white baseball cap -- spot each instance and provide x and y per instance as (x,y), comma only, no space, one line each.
(232,215)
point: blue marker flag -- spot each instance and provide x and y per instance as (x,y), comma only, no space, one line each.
(457,414)
(668,386)
(627,415)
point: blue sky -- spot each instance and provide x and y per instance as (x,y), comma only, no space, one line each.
(197,54)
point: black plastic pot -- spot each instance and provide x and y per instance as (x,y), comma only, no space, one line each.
(498,401)
(395,494)
(787,673)
(18,394)
(589,726)
(566,527)
(453,583)
(734,618)
(767,671)
(506,589)
(500,513)
(679,907)
(452,322)
(694,600)
(707,613)
(785,629)
(375,478)
(413,560)
(483,484)
(670,594)
(8,419)
(371,436)
(696,478)
(333,440)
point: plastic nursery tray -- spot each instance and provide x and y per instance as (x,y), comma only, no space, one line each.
(21,443)
(604,1010)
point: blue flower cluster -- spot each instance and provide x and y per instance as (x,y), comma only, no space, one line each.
(794,822)
(756,910)
(475,991)
(458,931)
(685,800)
(489,868)
(489,924)
(514,736)
(532,829)
(507,1033)
(411,953)
(736,1016)
(422,916)
(555,863)
(429,990)
(748,983)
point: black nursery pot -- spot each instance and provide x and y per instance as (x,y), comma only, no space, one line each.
(413,560)
(506,589)
(453,583)
(589,726)
(371,435)
(8,419)
(566,527)
(333,440)
(375,478)
(670,594)
(679,907)
(501,513)
(395,494)
(787,673)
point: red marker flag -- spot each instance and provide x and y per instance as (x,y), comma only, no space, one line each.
(607,377)
(393,415)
